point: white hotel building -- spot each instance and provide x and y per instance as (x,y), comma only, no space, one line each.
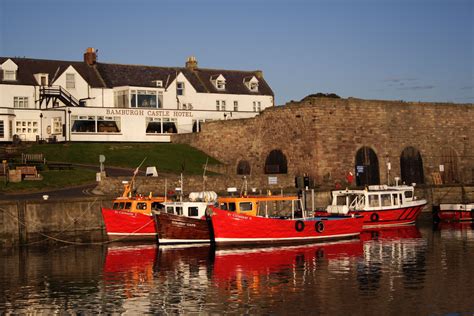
(55,100)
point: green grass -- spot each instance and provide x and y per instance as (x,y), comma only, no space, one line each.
(52,179)
(166,157)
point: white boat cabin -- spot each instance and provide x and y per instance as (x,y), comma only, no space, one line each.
(188,209)
(375,197)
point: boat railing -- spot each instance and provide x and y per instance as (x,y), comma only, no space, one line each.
(357,203)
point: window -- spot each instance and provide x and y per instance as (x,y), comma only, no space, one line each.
(20,102)
(374,200)
(179,210)
(57,125)
(220,84)
(251,83)
(2,129)
(44,80)
(245,206)
(223,206)
(70,81)
(145,99)
(232,207)
(26,127)
(236,106)
(170,209)
(197,125)
(193,211)
(95,124)
(180,88)
(121,99)
(9,75)
(157,125)
(257,106)
(386,200)
(395,199)
(220,105)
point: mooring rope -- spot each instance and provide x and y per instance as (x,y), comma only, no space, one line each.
(54,237)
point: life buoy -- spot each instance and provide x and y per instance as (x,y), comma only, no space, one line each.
(374,217)
(299,226)
(319,226)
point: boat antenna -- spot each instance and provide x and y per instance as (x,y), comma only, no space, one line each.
(204,178)
(136,172)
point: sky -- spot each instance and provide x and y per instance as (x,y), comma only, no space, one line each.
(411,50)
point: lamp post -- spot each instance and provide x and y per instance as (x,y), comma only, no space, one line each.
(69,127)
(41,126)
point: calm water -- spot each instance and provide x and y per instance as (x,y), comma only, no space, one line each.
(422,270)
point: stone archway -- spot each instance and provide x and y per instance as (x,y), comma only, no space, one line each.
(243,167)
(276,163)
(367,167)
(411,166)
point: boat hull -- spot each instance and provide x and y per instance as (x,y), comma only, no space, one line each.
(125,226)
(456,212)
(387,217)
(229,228)
(176,229)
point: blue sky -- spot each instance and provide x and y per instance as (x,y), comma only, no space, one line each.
(412,50)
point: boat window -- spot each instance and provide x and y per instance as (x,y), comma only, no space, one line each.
(157,206)
(232,207)
(245,206)
(193,211)
(386,200)
(408,194)
(116,206)
(341,200)
(223,206)
(170,209)
(128,205)
(179,210)
(141,206)
(374,200)
(395,199)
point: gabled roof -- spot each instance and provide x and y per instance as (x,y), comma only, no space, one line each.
(104,75)
(27,68)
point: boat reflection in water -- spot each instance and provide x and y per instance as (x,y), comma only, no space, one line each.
(455,230)
(398,253)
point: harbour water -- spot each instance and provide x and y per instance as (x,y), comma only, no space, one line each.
(418,270)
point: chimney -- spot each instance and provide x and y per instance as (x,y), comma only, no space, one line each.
(259,74)
(191,63)
(90,56)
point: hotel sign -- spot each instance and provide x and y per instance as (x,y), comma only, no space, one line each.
(153,113)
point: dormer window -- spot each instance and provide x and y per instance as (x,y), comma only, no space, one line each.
(42,79)
(9,75)
(218,81)
(10,70)
(158,83)
(251,83)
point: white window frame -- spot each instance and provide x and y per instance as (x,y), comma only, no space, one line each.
(9,75)
(70,81)
(180,88)
(236,106)
(20,102)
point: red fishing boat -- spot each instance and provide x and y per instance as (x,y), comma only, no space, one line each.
(273,220)
(455,212)
(381,205)
(130,217)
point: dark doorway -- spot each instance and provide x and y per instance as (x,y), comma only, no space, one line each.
(449,161)
(411,166)
(276,163)
(243,167)
(367,167)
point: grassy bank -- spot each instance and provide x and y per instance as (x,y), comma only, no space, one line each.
(168,158)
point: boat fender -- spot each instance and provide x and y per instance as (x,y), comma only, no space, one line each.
(299,226)
(374,217)
(319,226)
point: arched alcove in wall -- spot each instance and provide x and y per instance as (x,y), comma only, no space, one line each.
(276,162)
(411,166)
(367,167)
(243,167)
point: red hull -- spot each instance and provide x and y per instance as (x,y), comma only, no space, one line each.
(386,218)
(456,212)
(123,225)
(232,228)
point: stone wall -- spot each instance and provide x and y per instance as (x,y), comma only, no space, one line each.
(320,137)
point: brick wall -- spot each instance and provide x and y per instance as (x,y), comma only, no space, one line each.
(320,136)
